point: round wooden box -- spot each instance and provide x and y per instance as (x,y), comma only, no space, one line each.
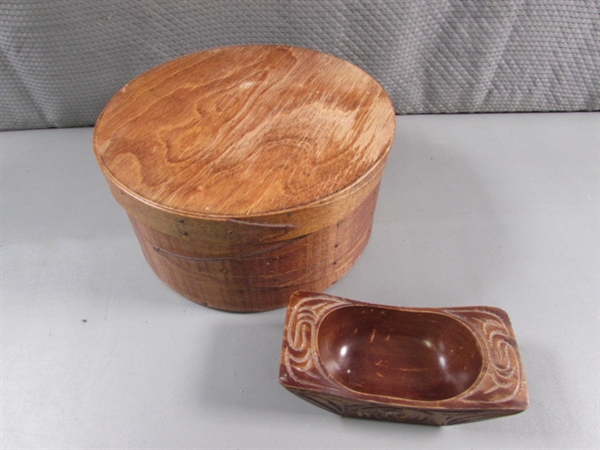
(248,172)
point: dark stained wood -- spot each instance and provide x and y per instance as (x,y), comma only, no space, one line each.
(412,355)
(436,366)
(227,157)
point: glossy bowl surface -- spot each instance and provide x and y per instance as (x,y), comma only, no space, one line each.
(412,355)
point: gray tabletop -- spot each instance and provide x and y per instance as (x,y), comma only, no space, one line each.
(499,210)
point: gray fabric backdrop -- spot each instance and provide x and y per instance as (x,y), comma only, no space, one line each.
(61,61)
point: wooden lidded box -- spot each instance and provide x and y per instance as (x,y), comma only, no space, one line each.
(248,172)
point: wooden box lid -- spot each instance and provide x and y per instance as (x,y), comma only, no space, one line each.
(244,131)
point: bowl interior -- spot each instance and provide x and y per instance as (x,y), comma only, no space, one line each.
(424,356)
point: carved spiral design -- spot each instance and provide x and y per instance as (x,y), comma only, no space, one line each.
(299,358)
(502,381)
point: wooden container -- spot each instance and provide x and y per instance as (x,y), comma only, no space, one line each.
(248,172)
(433,366)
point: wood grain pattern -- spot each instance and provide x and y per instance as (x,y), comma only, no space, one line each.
(243,131)
(242,151)
(436,366)
(259,277)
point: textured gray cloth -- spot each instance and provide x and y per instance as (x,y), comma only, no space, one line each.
(61,61)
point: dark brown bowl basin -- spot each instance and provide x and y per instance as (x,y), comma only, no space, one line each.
(381,351)
(435,366)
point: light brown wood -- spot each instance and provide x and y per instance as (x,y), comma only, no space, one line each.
(226,151)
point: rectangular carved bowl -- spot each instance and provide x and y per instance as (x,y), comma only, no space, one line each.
(434,366)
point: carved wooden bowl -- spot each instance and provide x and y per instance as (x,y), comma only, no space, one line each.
(435,366)
(248,172)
